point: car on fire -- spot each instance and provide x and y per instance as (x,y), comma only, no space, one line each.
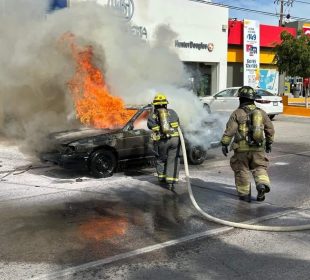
(100,151)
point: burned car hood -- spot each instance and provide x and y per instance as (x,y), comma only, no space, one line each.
(66,137)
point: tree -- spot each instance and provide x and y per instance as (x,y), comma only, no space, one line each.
(293,56)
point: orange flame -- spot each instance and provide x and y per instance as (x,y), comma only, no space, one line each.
(94,104)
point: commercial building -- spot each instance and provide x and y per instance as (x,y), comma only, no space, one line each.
(269,37)
(201,40)
(300,26)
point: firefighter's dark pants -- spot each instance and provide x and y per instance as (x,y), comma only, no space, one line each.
(242,163)
(168,159)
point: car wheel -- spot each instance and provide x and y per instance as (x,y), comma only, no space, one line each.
(196,155)
(271,117)
(102,163)
(207,107)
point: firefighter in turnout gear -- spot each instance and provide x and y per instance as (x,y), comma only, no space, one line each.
(251,132)
(164,124)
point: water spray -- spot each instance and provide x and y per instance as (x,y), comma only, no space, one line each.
(224,222)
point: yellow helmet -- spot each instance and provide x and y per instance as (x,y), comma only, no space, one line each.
(160,99)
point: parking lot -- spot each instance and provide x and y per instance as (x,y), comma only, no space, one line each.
(60,224)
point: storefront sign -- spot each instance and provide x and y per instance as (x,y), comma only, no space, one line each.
(251,52)
(269,80)
(139,31)
(306,28)
(193,45)
(125,7)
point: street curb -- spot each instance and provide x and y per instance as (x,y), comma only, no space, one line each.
(296,111)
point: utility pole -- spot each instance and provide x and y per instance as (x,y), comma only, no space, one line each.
(281,12)
(282,4)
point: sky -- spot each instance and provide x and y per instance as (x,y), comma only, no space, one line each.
(298,9)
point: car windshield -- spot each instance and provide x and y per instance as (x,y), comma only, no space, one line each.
(262,92)
(139,117)
(141,121)
(230,92)
(130,115)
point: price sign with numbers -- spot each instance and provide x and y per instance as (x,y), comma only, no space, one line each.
(251,53)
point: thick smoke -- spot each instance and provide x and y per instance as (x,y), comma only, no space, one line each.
(33,75)
(37,66)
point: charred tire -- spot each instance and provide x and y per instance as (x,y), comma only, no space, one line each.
(207,108)
(102,163)
(196,155)
(271,117)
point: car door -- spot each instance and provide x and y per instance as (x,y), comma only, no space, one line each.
(225,101)
(137,139)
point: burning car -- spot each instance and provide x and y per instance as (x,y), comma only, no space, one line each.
(100,151)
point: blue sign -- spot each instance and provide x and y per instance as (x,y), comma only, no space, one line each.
(57,4)
(269,80)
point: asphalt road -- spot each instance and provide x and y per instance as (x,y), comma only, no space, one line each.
(57,224)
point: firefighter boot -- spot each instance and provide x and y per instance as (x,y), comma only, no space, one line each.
(246,197)
(261,190)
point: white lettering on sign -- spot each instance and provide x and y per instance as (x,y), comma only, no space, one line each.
(251,53)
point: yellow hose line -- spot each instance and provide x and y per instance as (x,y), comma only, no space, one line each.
(224,222)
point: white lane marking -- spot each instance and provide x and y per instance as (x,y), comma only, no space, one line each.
(109,260)
(281,163)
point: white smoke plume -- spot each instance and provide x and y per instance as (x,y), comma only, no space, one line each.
(34,95)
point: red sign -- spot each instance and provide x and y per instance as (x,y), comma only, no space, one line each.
(306,82)
(270,35)
(306,30)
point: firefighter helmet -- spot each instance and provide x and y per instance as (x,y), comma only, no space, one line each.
(247,92)
(160,99)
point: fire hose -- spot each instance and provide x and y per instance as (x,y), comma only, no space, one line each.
(225,222)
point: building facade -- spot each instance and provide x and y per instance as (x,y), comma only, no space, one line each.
(201,35)
(268,74)
(201,41)
(300,26)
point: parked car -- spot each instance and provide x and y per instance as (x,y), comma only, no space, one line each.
(227,101)
(101,150)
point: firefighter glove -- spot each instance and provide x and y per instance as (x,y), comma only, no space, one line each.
(268,147)
(225,150)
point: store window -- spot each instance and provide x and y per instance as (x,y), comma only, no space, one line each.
(201,78)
